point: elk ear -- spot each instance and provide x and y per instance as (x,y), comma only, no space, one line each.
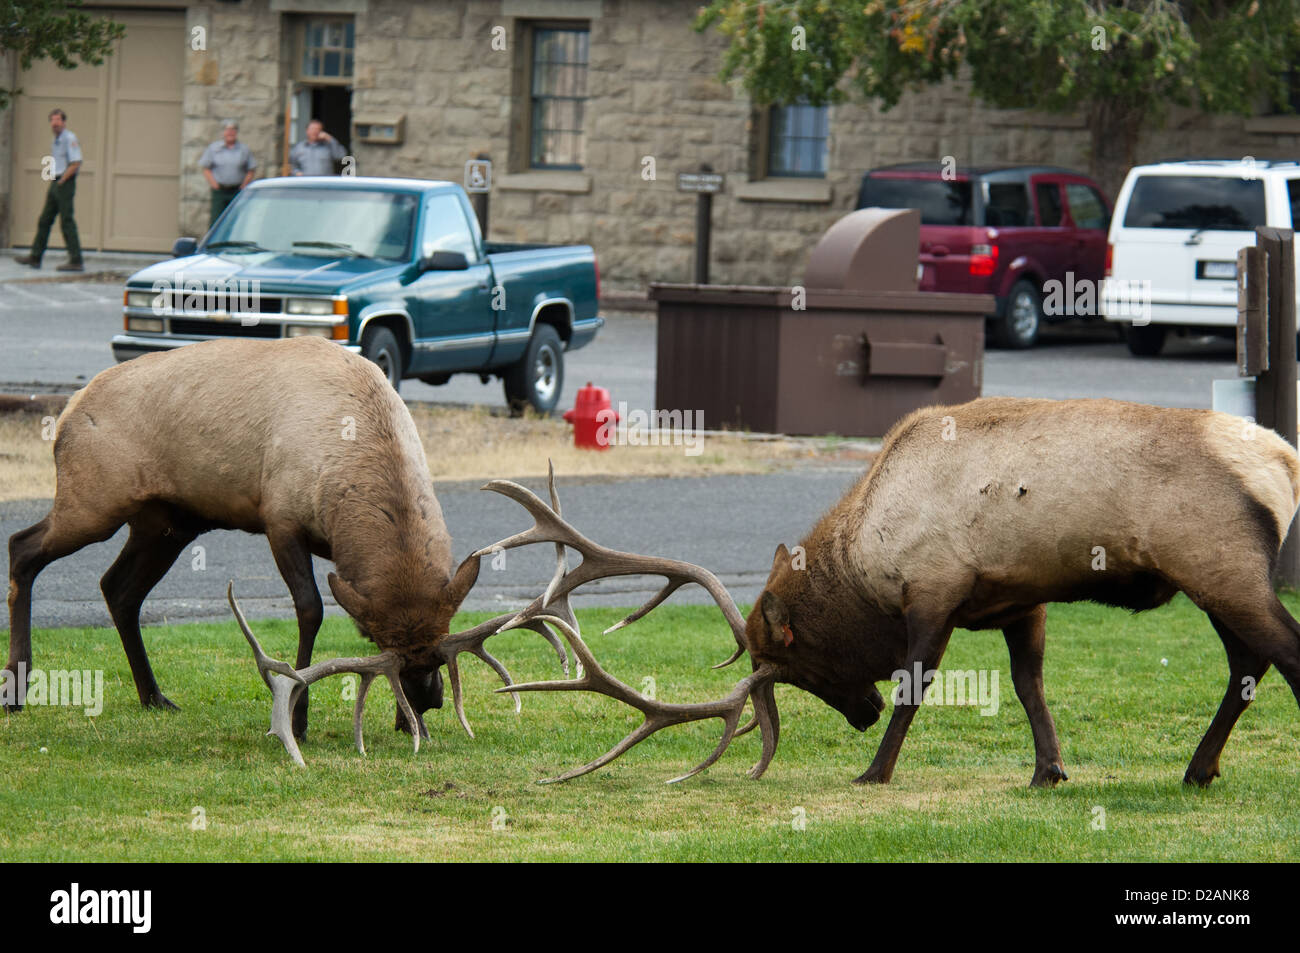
(353,602)
(779,561)
(777,616)
(461,583)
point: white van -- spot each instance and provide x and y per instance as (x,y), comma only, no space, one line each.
(1171,261)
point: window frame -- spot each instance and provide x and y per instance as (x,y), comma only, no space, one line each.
(300,48)
(764,131)
(523,159)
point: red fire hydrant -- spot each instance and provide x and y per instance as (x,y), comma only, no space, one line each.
(593,419)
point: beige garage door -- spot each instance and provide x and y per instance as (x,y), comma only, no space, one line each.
(127,114)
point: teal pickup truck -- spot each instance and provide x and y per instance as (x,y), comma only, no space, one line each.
(395,269)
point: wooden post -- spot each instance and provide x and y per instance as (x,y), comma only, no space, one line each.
(703,232)
(1275,388)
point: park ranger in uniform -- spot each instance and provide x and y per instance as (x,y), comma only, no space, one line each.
(66,153)
(228,166)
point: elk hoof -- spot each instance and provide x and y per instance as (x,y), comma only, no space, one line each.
(872,776)
(1048,777)
(159,700)
(1201,777)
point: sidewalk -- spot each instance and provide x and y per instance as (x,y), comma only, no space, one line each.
(100,266)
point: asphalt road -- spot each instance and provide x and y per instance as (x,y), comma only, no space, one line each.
(699,520)
(58,333)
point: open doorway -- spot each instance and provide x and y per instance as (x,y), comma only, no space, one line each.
(321,87)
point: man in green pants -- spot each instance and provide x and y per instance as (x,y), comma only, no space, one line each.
(66,154)
(228,165)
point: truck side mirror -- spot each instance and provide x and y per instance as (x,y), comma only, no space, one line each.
(444,261)
(184,247)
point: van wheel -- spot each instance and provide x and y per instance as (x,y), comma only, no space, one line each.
(380,345)
(1018,327)
(1145,340)
(538,377)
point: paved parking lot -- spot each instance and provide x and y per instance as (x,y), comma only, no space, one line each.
(57,333)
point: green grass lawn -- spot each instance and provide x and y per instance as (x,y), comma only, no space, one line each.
(126,785)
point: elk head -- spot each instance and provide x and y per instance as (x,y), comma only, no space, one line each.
(819,650)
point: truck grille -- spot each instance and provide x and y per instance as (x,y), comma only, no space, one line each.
(224,328)
(257,304)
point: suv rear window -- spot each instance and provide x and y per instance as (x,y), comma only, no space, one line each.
(1196,201)
(941,202)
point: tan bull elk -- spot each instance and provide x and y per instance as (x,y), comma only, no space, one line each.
(297,439)
(977,516)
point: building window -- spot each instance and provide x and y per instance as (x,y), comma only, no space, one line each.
(327,45)
(558,94)
(797,141)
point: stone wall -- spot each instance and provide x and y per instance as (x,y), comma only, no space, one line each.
(241,76)
(654,105)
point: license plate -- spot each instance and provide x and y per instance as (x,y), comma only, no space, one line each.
(1225,270)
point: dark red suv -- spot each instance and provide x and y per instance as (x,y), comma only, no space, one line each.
(1006,232)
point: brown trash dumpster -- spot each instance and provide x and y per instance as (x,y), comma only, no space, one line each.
(850,352)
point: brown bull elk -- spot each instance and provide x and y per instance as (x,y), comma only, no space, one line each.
(296,439)
(977,516)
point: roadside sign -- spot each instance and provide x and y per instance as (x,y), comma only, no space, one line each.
(478,175)
(709,182)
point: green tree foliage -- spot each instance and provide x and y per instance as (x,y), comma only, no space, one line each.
(1119,64)
(56,30)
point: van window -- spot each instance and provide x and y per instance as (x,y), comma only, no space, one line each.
(1293,196)
(1006,203)
(941,202)
(1196,201)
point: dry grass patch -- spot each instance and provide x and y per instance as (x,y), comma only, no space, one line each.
(463,444)
(26,460)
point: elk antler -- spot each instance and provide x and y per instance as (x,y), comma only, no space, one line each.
(286,684)
(660,714)
(599,562)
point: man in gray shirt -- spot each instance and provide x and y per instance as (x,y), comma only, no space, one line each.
(228,166)
(66,153)
(316,154)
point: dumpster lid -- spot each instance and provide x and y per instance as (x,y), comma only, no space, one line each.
(872,249)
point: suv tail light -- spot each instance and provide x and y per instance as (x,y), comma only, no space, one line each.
(1110,258)
(983,260)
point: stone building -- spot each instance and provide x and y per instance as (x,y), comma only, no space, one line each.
(588,109)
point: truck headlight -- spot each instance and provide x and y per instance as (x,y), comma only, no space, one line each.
(309,330)
(140,299)
(145,324)
(314,306)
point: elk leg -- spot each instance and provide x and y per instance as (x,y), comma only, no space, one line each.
(155,541)
(30,551)
(293,559)
(1242,664)
(1026,638)
(927,641)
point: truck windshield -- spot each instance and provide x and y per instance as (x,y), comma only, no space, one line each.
(331,222)
(1196,201)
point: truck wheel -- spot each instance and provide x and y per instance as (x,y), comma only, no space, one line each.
(380,345)
(1018,327)
(1145,340)
(536,379)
